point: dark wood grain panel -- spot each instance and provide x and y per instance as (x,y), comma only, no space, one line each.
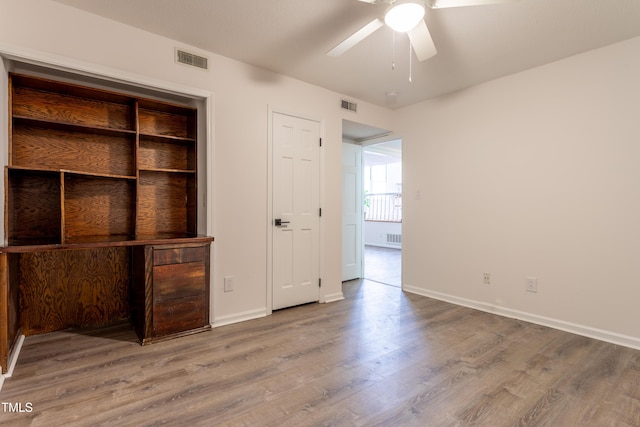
(173,316)
(4,313)
(179,280)
(98,206)
(180,254)
(166,203)
(161,154)
(63,289)
(166,280)
(36,104)
(13,300)
(38,147)
(154,122)
(33,207)
(69,89)
(140,275)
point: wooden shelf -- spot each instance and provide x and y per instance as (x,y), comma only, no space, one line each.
(167,203)
(51,124)
(154,153)
(97,206)
(93,242)
(32,99)
(167,138)
(73,172)
(72,148)
(103,163)
(165,120)
(192,171)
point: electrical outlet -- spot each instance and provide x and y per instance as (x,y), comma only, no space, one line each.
(228,284)
(486,279)
(531,284)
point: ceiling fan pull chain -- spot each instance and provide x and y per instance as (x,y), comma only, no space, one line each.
(393,50)
(410,65)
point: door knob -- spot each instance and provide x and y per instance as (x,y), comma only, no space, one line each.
(279,222)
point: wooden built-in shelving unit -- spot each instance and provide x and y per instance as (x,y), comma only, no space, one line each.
(101,173)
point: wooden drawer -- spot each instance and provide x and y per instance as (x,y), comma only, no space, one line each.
(172,281)
(179,315)
(171,295)
(179,255)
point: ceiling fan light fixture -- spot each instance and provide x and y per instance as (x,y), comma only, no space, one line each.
(404,17)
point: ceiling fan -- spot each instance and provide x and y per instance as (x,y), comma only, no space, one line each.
(406,16)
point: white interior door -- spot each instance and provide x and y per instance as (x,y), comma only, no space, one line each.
(351,211)
(296,211)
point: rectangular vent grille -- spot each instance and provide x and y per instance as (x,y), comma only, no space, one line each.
(351,106)
(394,238)
(192,59)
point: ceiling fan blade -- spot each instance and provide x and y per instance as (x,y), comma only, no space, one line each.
(441,4)
(356,37)
(422,42)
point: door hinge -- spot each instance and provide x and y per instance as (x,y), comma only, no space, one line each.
(319,282)
(319,211)
(320,142)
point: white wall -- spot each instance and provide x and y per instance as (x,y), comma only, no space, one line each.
(536,174)
(375,233)
(243,96)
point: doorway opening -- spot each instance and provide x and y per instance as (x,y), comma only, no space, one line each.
(372,204)
(382,231)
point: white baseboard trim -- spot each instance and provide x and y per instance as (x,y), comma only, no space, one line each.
(587,331)
(334,297)
(239,317)
(13,359)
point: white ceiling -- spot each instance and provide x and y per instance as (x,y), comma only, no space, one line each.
(360,133)
(383,153)
(475,44)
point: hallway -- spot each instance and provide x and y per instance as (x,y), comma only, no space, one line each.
(383,265)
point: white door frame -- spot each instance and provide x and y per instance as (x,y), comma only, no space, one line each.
(269,216)
(374,141)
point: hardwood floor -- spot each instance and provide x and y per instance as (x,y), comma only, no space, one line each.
(380,357)
(383,265)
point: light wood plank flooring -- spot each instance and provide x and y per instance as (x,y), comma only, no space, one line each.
(380,357)
(383,265)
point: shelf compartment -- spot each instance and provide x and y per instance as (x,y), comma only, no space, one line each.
(33,207)
(158,153)
(35,146)
(167,120)
(64,108)
(166,203)
(55,103)
(97,206)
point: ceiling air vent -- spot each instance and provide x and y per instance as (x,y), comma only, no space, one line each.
(346,105)
(192,59)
